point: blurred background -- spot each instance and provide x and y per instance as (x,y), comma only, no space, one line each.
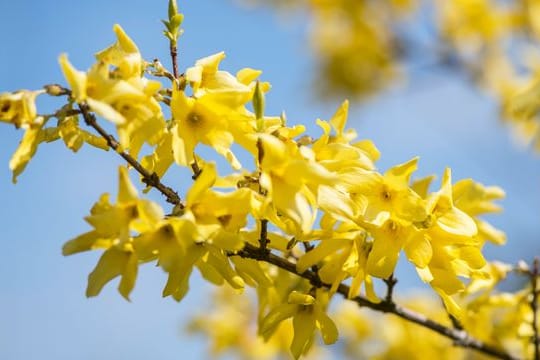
(428,109)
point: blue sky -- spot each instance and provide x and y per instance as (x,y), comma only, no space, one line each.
(43,311)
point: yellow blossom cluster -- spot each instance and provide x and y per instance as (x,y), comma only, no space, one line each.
(363,46)
(317,208)
(500,318)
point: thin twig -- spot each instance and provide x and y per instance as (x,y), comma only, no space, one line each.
(308,247)
(390,282)
(460,337)
(534,306)
(174,58)
(195,168)
(263,238)
(150,179)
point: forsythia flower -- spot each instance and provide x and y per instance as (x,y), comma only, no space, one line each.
(473,21)
(291,180)
(308,313)
(206,120)
(205,77)
(124,54)
(113,226)
(476,199)
(73,136)
(19,108)
(33,136)
(121,96)
(345,252)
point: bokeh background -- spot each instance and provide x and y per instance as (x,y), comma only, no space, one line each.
(436,114)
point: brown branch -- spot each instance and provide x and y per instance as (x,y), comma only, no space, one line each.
(390,282)
(174,58)
(195,168)
(150,179)
(308,247)
(263,237)
(534,307)
(460,337)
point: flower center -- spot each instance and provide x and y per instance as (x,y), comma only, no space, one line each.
(5,107)
(194,118)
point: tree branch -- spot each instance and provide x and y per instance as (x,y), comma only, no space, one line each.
(460,337)
(534,307)
(174,59)
(390,282)
(150,179)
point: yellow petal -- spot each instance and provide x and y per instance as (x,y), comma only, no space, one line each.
(399,175)
(382,260)
(446,280)
(26,150)
(339,119)
(113,262)
(489,232)
(124,40)
(221,263)
(106,111)
(84,242)
(179,275)
(328,328)
(206,180)
(337,203)
(419,250)
(304,326)
(451,305)
(299,298)
(421,186)
(76,80)
(456,222)
(126,190)
(247,75)
(317,254)
(129,276)
(251,271)
(370,290)
(271,321)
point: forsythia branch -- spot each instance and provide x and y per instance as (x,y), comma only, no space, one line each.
(460,337)
(534,307)
(150,179)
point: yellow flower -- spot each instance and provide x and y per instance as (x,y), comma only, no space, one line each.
(129,105)
(205,77)
(123,54)
(456,250)
(74,137)
(19,108)
(226,211)
(33,136)
(388,241)
(389,195)
(341,254)
(337,153)
(291,178)
(476,199)
(199,236)
(208,120)
(121,96)
(308,313)
(473,22)
(113,226)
